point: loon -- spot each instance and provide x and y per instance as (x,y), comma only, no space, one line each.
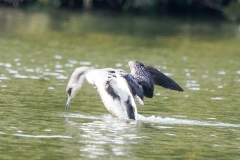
(118,89)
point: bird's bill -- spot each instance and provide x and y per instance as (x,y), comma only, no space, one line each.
(68,103)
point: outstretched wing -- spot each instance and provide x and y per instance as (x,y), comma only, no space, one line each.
(136,89)
(162,80)
(147,76)
(143,78)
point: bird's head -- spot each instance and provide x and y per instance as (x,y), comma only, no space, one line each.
(75,83)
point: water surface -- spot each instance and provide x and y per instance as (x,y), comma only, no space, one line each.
(39,50)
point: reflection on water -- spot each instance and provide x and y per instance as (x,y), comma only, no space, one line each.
(99,133)
(39,51)
(106,135)
(100,137)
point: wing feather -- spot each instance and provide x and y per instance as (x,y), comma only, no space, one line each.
(143,78)
(136,89)
(162,80)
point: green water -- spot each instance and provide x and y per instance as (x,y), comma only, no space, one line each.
(39,51)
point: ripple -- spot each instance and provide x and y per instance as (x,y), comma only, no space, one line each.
(216,98)
(8,65)
(85,63)
(51,74)
(168,74)
(58,57)
(20,76)
(73,61)
(164,67)
(69,65)
(29,70)
(61,77)
(81,116)
(50,88)
(41,136)
(118,64)
(220,86)
(221,72)
(58,66)
(192,85)
(59,70)
(16,59)
(211,118)
(204,76)
(170,134)
(163,127)
(34,77)
(11,71)
(95,135)
(194,88)
(3,78)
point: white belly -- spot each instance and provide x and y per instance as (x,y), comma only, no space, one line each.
(118,107)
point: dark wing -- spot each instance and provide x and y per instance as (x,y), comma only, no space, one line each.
(143,78)
(147,86)
(135,87)
(161,79)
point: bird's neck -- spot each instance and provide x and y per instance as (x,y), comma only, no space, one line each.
(90,76)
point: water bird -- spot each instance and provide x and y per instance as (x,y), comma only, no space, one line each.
(118,89)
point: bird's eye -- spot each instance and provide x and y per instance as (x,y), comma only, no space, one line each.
(69,91)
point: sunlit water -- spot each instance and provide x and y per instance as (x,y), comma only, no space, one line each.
(39,51)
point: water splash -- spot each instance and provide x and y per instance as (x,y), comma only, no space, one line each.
(167,120)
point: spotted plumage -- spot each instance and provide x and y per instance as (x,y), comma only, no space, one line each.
(147,77)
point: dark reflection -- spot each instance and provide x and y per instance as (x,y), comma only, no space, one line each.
(113,23)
